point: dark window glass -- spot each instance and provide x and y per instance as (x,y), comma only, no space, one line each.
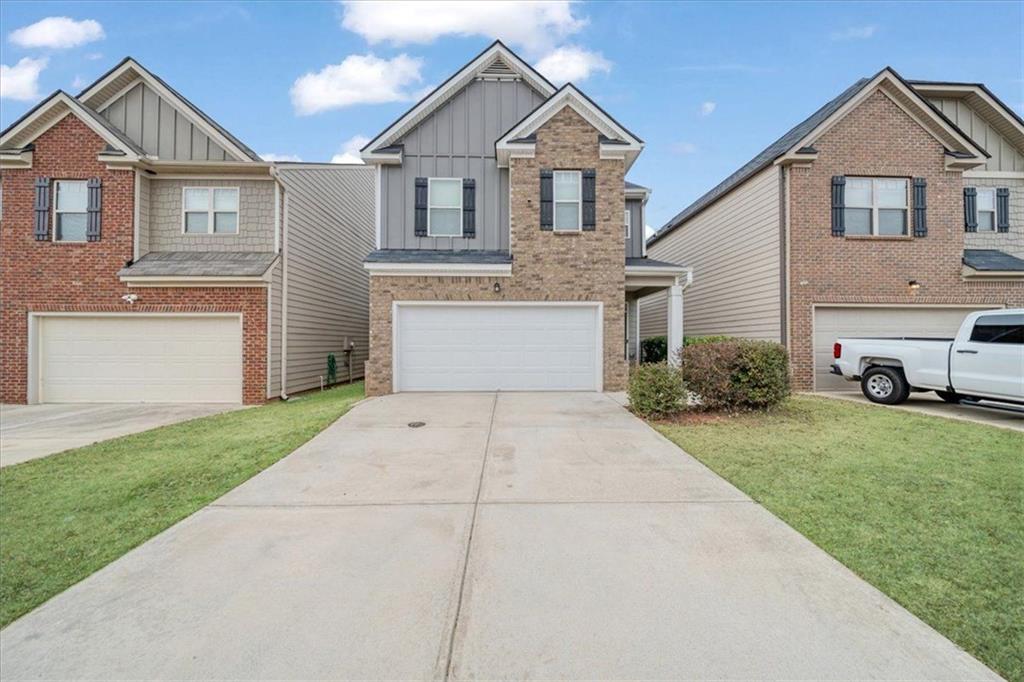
(999,329)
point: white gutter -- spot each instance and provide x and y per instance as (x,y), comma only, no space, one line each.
(440,269)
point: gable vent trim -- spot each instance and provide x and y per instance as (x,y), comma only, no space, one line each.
(498,69)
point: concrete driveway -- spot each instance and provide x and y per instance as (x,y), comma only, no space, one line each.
(33,431)
(512,536)
(929,403)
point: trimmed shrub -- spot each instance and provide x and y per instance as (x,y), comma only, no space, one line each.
(654,349)
(736,375)
(656,390)
(695,340)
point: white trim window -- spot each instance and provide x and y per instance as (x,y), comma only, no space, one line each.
(986,209)
(70,210)
(444,207)
(568,201)
(627,219)
(209,210)
(876,207)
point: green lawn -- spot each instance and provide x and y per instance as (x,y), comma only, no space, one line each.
(66,516)
(929,510)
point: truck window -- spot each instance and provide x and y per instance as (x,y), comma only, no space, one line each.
(999,329)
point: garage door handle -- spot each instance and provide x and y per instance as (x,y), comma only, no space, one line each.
(968,352)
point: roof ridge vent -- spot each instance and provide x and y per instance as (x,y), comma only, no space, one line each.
(498,68)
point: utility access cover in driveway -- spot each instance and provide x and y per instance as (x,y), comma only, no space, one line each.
(514,536)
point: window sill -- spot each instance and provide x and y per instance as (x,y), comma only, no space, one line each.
(567,233)
(880,238)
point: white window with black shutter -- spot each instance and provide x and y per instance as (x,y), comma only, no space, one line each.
(444,207)
(987,209)
(568,200)
(70,210)
(875,207)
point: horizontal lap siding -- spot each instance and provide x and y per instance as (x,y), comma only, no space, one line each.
(330,231)
(733,248)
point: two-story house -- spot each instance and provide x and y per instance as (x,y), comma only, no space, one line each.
(509,243)
(895,209)
(146,254)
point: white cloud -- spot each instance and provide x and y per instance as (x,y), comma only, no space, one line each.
(93,56)
(78,83)
(359,79)
(855,33)
(572,63)
(536,26)
(21,81)
(280,157)
(58,33)
(350,150)
(683,148)
(708,108)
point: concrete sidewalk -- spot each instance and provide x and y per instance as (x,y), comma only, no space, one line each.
(527,536)
(931,404)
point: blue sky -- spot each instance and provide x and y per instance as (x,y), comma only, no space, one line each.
(706,85)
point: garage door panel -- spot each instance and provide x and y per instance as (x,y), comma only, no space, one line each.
(140,359)
(831,323)
(496,347)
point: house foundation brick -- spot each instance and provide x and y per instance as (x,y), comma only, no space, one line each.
(44,276)
(547,266)
(876,139)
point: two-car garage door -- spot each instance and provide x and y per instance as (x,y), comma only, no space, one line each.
(139,358)
(831,323)
(497,347)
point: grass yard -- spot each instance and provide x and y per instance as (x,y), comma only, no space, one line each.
(928,510)
(66,516)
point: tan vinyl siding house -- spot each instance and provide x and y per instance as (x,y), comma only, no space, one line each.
(734,249)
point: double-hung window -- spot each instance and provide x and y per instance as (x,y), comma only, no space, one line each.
(627,220)
(568,203)
(876,206)
(70,213)
(210,210)
(986,209)
(444,207)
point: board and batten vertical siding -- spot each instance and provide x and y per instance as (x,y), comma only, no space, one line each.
(1004,156)
(330,231)
(145,188)
(457,141)
(635,243)
(733,248)
(158,127)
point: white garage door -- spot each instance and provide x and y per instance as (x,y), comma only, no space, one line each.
(832,323)
(140,358)
(497,347)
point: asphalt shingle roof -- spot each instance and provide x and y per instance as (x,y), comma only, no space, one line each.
(992,260)
(200,264)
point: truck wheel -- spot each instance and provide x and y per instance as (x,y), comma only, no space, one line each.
(949,396)
(885,385)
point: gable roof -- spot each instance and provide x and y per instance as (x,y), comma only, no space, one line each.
(50,111)
(983,101)
(796,141)
(127,71)
(495,62)
(522,135)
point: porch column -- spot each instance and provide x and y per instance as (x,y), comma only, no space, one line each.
(675,323)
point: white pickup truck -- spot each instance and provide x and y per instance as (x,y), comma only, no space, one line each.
(985,361)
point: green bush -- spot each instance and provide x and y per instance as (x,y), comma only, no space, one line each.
(736,375)
(654,349)
(695,340)
(656,390)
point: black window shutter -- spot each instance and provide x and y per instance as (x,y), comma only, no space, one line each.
(420,224)
(838,204)
(920,207)
(94,208)
(970,209)
(468,208)
(1003,209)
(42,210)
(547,199)
(589,193)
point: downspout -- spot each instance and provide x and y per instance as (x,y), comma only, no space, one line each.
(136,230)
(284,291)
(784,180)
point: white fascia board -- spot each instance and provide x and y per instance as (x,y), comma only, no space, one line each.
(640,270)
(570,96)
(183,108)
(19,159)
(459,80)
(439,269)
(160,281)
(76,108)
(394,159)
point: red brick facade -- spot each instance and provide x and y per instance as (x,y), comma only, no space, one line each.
(876,139)
(43,276)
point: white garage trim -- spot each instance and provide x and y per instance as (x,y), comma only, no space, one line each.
(35,359)
(816,307)
(598,306)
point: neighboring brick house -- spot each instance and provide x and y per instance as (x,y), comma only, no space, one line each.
(509,245)
(894,209)
(147,255)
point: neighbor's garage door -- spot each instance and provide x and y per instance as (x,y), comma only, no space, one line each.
(497,347)
(832,323)
(140,358)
